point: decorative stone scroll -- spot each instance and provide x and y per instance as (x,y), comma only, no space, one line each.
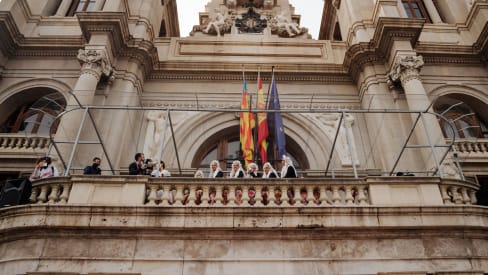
(95,62)
(405,69)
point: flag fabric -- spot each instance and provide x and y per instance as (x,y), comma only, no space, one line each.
(275,120)
(246,123)
(262,124)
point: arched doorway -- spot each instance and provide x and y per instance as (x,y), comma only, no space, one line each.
(224,146)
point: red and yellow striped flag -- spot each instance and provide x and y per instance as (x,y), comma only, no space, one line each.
(262,124)
(246,124)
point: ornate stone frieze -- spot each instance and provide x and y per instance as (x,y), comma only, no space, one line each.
(94,62)
(406,68)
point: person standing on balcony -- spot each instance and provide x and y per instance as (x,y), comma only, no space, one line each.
(287,168)
(215,171)
(161,171)
(269,172)
(138,167)
(237,171)
(48,169)
(35,174)
(252,170)
(93,169)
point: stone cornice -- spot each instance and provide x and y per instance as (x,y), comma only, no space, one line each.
(378,49)
(13,42)
(123,44)
(390,29)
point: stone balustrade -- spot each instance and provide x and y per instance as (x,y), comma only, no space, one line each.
(458,192)
(22,142)
(258,193)
(51,190)
(302,192)
(471,148)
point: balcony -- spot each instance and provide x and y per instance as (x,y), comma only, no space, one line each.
(276,193)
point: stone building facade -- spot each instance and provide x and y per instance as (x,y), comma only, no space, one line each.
(391,87)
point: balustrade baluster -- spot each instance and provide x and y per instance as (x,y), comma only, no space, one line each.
(219,189)
(33,196)
(53,197)
(258,197)
(152,194)
(165,196)
(361,195)
(271,196)
(336,198)
(192,195)
(310,197)
(445,195)
(349,197)
(465,197)
(472,195)
(63,198)
(297,196)
(179,195)
(205,196)
(42,196)
(323,195)
(231,196)
(245,195)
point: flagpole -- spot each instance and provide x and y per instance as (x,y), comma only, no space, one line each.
(269,87)
(256,122)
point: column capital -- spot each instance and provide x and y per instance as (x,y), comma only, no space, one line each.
(94,62)
(406,68)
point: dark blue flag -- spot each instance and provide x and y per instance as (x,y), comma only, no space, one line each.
(275,122)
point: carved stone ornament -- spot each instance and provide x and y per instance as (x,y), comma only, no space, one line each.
(94,62)
(218,25)
(284,27)
(251,22)
(406,68)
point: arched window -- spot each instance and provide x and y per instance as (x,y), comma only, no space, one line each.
(28,113)
(465,114)
(225,147)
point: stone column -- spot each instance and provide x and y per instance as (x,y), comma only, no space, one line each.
(63,8)
(406,69)
(432,10)
(94,64)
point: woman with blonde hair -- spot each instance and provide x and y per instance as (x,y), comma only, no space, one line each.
(215,171)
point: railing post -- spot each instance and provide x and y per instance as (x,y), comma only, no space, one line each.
(165,196)
(336,198)
(152,194)
(53,197)
(323,195)
(63,198)
(42,196)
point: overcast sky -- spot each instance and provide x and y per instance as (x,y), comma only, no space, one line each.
(310,10)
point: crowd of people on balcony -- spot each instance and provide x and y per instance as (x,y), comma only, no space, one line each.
(142,166)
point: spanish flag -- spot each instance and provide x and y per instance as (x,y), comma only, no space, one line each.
(262,124)
(246,124)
